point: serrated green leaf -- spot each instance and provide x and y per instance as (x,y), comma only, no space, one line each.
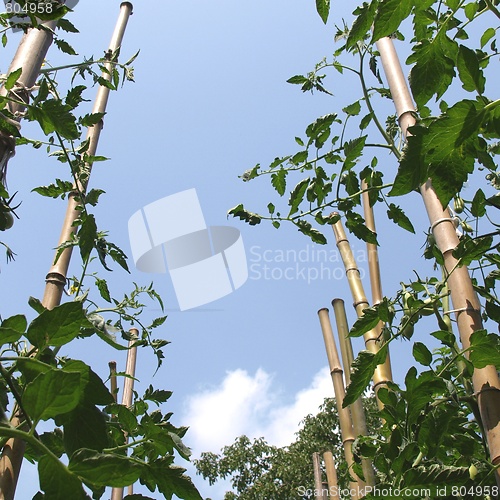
(54,116)
(92,119)
(67,26)
(249,217)
(59,189)
(315,235)
(87,236)
(396,214)
(65,47)
(390,15)
(434,68)
(469,71)
(297,195)
(470,249)
(366,322)
(51,394)
(362,372)
(278,181)
(362,24)
(297,80)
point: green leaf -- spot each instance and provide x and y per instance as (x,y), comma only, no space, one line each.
(436,474)
(396,214)
(478,207)
(363,369)
(59,189)
(422,354)
(52,393)
(91,119)
(278,181)
(390,14)
(366,322)
(84,427)
(297,80)
(65,47)
(362,24)
(487,36)
(323,9)
(11,329)
(353,150)
(67,26)
(357,225)
(470,249)
(315,235)
(104,469)
(102,286)
(485,349)
(249,217)
(433,69)
(54,116)
(171,480)
(87,236)
(469,71)
(74,96)
(353,109)
(412,172)
(36,304)
(12,79)
(58,326)
(297,195)
(58,482)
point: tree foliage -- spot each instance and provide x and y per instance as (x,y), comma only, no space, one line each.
(88,441)
(432,434)
(262,471)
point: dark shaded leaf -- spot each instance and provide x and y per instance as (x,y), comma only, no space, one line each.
(485,349)
(396,214)
(58,482)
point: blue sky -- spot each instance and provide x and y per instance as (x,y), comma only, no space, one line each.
(210,101)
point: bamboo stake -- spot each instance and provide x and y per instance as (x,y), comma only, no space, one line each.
(29,57)
(357,411)
(331,475)
(346,427)
(32,51)
(373,342)
(465,302)
(128,392)
(318,481)
(56,277)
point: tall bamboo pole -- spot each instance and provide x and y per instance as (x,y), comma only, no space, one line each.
(31,52)
(357,411)
(128,392)
(465,302)
(331,475)
(318,481)
(346,426)
(373,341)
(56,277)
(29,58)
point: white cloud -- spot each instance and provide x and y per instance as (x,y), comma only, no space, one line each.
(250,405)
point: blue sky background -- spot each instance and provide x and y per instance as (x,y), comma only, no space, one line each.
(210,101)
